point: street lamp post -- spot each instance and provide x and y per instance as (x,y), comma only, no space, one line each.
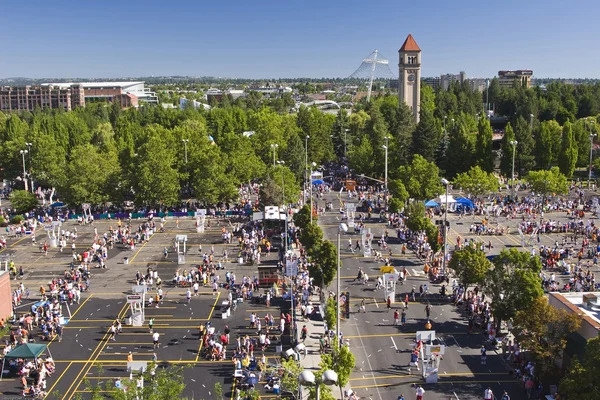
(23,152)
(346,145)
(185,142)
(283,205)
(514,145)
(592,136)
(342,228)
(307,378)
(274,148)
(305,168)
(446,183)
(531,122)
(487,96)
(445,118)
(385,146)
(311,194)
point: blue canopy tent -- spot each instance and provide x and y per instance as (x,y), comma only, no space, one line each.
(318,181)
(464,202)
(431,203)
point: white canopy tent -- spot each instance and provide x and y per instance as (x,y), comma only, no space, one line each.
(451,202)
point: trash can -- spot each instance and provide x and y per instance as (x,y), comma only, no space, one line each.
(279,349)
(126,260)
(240,260)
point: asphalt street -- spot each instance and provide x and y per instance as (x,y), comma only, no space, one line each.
(382,350)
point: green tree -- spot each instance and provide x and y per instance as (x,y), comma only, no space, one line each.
(361,158)
(543,330)
(294,156)
(302,217)
(581,380)
(330,313)
(513,284)
(340,135)
(543,147)
(545,182)
(23,201)
(399,195)
(289,381)
(525,159)
(401,126)
(421,178)
(507,151)
(470,265)
(476,182)
(269,193)
(483,145)
(341,360)
(324,262)
(460,149)
(415,216)
(568,152)
(311,237)
(91,176)
(426,136)
(166,383)
(433,235)
(155,180)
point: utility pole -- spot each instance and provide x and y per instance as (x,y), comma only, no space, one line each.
(305,168)
(185,142)
(446,183)
(514,145)
(592,136)
(23,152)
(385,179)
(274,148)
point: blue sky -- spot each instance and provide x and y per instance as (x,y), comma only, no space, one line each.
(271,39)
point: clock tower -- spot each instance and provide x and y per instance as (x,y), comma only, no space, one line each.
(409,79)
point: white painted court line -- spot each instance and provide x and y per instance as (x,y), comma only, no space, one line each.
(394,343)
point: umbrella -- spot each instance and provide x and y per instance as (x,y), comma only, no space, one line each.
(431,203)
(318,182)
(57,204)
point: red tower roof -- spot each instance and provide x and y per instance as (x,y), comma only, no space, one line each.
(410,44)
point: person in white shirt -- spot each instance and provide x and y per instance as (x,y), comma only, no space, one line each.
(488,394)
(155,337)
(420,392)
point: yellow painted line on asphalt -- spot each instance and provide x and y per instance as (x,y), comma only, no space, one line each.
(209,316)
(99,348)
(61,375)
(138,252)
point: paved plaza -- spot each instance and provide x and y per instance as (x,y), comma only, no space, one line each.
(86,357)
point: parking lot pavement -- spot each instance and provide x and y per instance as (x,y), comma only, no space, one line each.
(86,356)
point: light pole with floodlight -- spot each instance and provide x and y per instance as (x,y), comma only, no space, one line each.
(305,168)
(446,183)
(311,194)
(592,136)
(185,142)
(307,378)
(23,152)
(514,145)
(341,228)
(274,147)
(385,179)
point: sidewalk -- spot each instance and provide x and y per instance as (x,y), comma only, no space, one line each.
(311,358)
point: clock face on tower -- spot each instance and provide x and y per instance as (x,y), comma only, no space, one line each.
(411,78)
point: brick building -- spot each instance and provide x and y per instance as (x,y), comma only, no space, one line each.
(47,96)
